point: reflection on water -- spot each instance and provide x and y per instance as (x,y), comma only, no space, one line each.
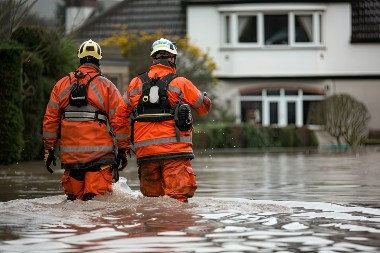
(245,203)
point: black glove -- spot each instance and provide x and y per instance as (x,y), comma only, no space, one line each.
(122,159)
(115,174)
(48,158)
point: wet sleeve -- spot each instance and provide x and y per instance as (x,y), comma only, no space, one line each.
(52,118)
(197,99)
(122,123)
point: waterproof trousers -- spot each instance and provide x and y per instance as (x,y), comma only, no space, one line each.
(174,178)
(85,184)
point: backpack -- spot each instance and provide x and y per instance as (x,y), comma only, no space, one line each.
(154,98)
(154,105)
(78,92)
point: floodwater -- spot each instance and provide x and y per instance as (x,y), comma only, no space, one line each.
(320,201)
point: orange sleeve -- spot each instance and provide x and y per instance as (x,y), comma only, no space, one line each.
(194,97)
(122,123)
(114,98)
(52,117)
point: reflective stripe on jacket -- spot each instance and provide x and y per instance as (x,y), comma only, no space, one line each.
(157,140)
(83,143)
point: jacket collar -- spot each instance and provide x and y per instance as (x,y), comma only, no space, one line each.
(89,67)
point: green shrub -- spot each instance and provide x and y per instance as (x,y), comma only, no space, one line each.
(11,120)
(288,137)
(255,137)
(213,136)
(250,136)
(32,106)
(47,58)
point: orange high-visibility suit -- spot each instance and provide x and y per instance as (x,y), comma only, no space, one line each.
(84,133)
(163,160)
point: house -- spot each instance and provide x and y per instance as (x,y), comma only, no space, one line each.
(275,59)
(148,16)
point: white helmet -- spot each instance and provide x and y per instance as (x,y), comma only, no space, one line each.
(164,45)
(90,48)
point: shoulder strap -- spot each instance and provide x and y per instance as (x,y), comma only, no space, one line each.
(168,78)
(163,82)
(146,81)
(72,75)
(92,78)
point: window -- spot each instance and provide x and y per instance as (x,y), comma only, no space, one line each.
(273,92)
(265,29)
(247,29)
(279,107)
(303,28)
(276,29)
(251,111)
(228,29)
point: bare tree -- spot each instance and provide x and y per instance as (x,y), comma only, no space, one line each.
(345,117)
(12,14)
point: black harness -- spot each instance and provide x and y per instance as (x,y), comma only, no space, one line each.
(78,92)
(154,105)
(79,110)
(154,98)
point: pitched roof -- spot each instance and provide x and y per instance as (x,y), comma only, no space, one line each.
(365,21)
(168,16)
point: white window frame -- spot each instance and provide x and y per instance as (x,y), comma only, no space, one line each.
(317,19)
(282,100)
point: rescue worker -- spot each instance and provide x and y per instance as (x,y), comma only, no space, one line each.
(81,114)
(158,103)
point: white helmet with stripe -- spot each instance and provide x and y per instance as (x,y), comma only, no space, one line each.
(163,45)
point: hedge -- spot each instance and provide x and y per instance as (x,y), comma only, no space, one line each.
(46,59)
(221,135)
(11,118)
(32,106)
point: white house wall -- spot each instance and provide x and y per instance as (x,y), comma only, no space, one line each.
(337,57)
(365,91)
(341,56)
(203,28)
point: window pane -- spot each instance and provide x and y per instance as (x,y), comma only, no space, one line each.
(247,29)
(276,29)
(273,92)
(312,114)
(320,29)
(304,28)
(291,113)
(251,111)
(306,93)
(291,92)
(228,29)
(252,93)
(273,113)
